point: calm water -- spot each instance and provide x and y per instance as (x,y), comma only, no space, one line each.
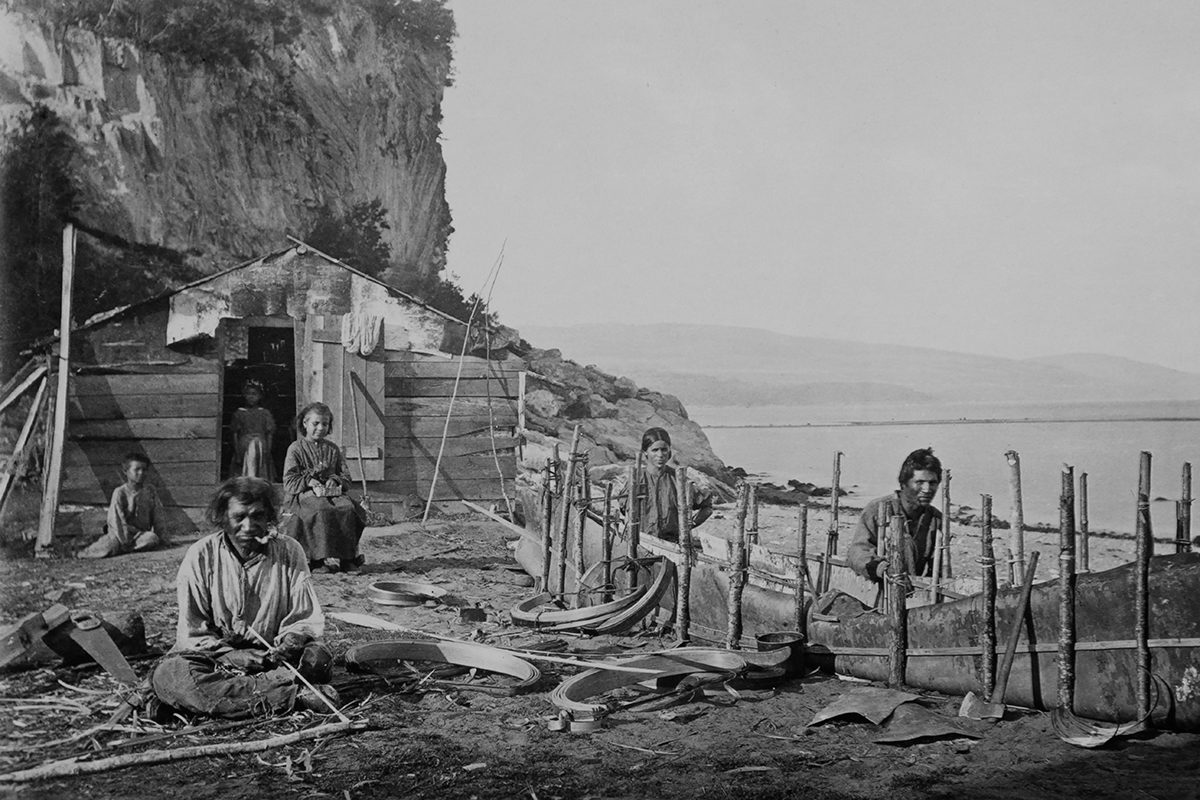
(1103,440)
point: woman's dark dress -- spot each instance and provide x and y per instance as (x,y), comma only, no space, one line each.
(327,527)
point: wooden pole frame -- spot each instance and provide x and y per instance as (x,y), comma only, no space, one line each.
(1084,540)
(683,599)
(737,573)
(897,577)
(802,572)
(1144,550)
(987,627)
(1183,529)
(1017,518)
(49,512)
(1066,596)
(947,566)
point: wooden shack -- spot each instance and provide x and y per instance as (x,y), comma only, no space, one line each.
(164,376)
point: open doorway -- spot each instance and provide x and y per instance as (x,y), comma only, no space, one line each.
(270,360)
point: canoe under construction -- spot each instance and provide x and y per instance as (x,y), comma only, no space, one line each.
(944,651)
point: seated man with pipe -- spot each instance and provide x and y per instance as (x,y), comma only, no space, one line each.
(920,475)
(248,616)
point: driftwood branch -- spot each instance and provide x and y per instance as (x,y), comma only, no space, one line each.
(73,766)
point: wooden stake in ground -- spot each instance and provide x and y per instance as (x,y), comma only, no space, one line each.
(737,572)
(566,510)
(987,626)
(1183,526)
(45,535)
(606,542)
(947,566)
(1083,523)
(1066,595)
(897,577)
(683,599)
(802,572)
(1017,519)
(1141,614)
(752,527)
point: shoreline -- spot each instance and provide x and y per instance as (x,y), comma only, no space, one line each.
(957,421)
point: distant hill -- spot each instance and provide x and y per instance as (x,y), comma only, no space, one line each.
(713,365)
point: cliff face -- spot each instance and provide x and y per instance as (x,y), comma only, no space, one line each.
(217,162)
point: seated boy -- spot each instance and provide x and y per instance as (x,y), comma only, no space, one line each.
(132,514)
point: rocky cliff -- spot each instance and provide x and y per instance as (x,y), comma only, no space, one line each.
(217,161)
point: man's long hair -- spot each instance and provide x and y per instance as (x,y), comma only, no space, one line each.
(246,491)
(918,460)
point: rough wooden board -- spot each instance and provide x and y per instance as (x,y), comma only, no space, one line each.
(167,382)
(432,427)
(167,474)
(187,428)
(160,451)
(142,406)
(445,387)
(408,356)
(447,489)
(478,445)
(175,495)
(450,369)
(464,407)
(472,468)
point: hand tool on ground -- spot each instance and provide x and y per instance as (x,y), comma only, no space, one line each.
(87,630)
(301,678)
(973,706)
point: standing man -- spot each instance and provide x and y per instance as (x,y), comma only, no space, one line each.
(920,475)
(244,578)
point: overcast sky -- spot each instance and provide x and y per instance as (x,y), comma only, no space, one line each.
(1013,179)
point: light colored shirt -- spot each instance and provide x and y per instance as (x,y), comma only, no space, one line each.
(220,597)
(921,526)
(132,511)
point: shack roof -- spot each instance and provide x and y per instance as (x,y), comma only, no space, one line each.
(297,245)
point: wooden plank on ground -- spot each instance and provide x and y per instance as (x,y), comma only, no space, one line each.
(143,406)
(445,387)
(186,428)
(159,451)
(476,445)
(432,427)
(473,407)
(167,382)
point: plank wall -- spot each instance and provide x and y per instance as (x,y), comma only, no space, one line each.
(479,460)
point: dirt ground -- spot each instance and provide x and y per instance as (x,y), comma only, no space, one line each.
(449,743)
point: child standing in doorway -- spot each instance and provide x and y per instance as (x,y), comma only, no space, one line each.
(133,514)
(252,429)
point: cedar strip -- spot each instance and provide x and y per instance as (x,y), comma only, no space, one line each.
(1066,597)
(897,577)
(737,572)
(987,632)
(1144,550)
(683,603)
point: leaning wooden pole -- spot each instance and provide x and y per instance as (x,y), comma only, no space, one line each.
(683,598)
(1084,543)
(547,523)
(585,505)
(987,627)
(1183,528)
(606,542)
(1066,593)
(566,510)
(1144,549)
(45,535)
(897,578)
(1017,518)
(737,572)
(635,515)
(802,572)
